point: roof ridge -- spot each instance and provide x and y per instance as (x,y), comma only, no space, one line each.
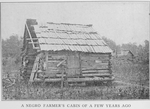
(89,25)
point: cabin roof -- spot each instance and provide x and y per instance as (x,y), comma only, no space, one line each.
(127,51)
(72,37)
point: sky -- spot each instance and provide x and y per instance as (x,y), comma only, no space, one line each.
(123,22)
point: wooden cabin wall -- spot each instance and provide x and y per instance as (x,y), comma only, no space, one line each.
(54,58)
(71,64)
(77,63)
(98,62)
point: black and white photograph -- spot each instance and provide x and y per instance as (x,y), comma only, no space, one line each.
(75,51)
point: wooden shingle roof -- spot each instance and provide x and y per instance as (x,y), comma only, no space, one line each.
(72,37)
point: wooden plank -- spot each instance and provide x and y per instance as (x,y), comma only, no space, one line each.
(95,54)
(29,35)
(93,71)
(85,69)
(97,74)
(91,63)
(35,67)
(61,62)
(80,62)
(95,58)
(32,39)
(49,80)
(89,79)
(76,79)
(95,67)
(62,79)
(46,59)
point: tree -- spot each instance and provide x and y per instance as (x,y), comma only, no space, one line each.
(11,48)
(130,46)
(146,51)
(110,43)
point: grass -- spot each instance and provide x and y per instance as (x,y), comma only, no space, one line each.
(75,93)
(131,72)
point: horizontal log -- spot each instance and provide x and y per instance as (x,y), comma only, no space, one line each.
(48,71)
(85,75)
(94,67)
(76,79)
(95,58)
(59,59)
(86,69)
(94,63)
(89,79)
(49,61)
(48,80)
(93,71)
(83,69)
(97,74)
(95,55)
(32,39)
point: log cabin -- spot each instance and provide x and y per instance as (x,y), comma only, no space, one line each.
(125,55)
(53,52)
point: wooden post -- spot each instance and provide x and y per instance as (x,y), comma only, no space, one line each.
(34,69)
(109,83)
(80,63)
(46,56)
(64,71)
(109,65)
(62,77)
(62,80)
